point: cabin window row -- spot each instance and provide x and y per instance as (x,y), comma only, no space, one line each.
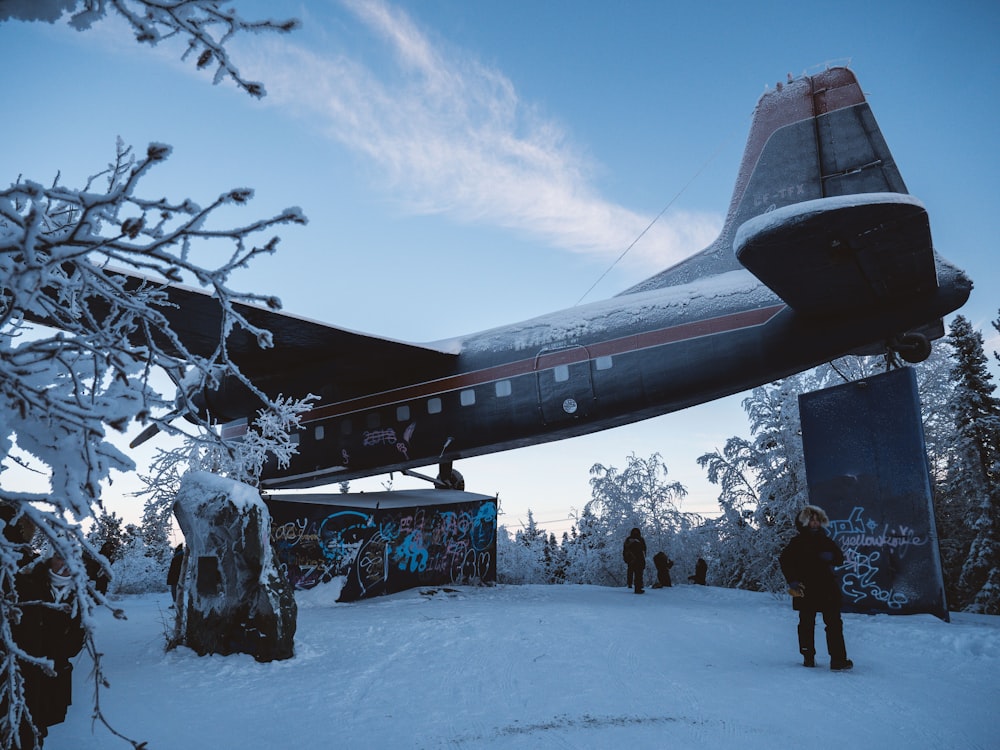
(434,405)
(404,412)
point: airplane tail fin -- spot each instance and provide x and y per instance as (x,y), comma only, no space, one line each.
(813,137)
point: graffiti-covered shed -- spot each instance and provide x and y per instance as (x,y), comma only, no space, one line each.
(383,542)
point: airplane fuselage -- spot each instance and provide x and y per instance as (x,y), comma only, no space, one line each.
(587,369)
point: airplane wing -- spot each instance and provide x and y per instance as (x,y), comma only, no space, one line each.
(306,356)
(297,341)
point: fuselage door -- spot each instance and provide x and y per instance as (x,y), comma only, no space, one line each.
(565,388)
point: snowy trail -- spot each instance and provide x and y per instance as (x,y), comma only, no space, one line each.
(513,667)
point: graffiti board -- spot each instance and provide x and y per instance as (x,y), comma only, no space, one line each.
(866,465)
(383,542)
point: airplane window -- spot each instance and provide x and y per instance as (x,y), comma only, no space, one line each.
(319,432)
(603,363)
(373,421)
(402,413)
(433,406)
(561,373)
(503,388)
(468,398)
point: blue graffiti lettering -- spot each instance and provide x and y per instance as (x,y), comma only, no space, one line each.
(411,554)
(861,568)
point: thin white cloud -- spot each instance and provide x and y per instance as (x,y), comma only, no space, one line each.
(451,135)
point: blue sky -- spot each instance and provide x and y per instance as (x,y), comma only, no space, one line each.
(465,165)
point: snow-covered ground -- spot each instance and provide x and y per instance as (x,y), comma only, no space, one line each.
(549,667)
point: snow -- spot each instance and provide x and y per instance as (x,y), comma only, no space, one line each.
(548,666)
(718,294)
(205,485)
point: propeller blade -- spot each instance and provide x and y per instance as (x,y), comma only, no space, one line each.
(145,435)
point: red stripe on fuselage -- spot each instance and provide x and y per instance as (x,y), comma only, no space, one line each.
(573,354)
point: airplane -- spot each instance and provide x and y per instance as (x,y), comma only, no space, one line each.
(823,253)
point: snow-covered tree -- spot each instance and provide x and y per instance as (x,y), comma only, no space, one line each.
(591,555)
(267,440)
(733,539)
(521,556)
(61,393)
(639,496)
(139,568)
(972,490)
(762,480)
(934,389)
(162,481)
(554,557)
(107,534)
(762,485)
(155,529)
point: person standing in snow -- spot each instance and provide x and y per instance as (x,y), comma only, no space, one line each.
(663,565)
(700,571)
(634,555)
(95,571)
(174,572)
(809,563)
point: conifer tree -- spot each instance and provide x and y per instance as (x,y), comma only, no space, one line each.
(972,486)
(555,561)
(588,553)
(156,524)
(521,559)
(934,388)
(107,534)
(531,535)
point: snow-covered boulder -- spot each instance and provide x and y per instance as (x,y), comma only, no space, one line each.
(231,598)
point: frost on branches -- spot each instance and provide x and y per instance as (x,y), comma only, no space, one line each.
(204,25)
(89,370)
(639,495)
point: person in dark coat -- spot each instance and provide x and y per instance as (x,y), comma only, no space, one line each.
(174,572)
(49,628)
(809,563)
(700,571)
(634,555)
(47,632)
(96,571)
(663,565)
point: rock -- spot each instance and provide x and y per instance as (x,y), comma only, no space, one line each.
(232,598)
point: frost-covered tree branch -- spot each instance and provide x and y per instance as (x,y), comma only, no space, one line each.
(204,25)
(267,439)
(55,254)
(63,387)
